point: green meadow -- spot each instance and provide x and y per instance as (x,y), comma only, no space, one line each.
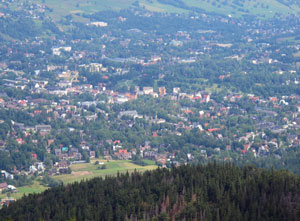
(90,170)
(86,171)
(36,187)
(261,8)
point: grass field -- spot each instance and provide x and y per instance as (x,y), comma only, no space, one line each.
(84,172)
(36,187)
(263,8)
(267,8)
(90,170)
(62,8)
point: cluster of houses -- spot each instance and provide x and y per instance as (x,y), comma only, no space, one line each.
(6,187)
(203,111)
(216,112)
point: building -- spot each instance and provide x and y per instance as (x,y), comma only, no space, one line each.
(162,91)
(43,128)
(147,90)
(3,186)
(176,90)
(98,24)
(57,50)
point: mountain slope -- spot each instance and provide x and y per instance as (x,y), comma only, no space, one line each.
(266,8)
(261,8)
(212,192)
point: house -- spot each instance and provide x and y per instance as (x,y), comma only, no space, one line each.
(6,202)
(12,188)
(2,144)
(91,117)
(62,166)
(57,50)
(3,186)
(6,175)
(57,152)
(20,141)
(38,167)
(147,90)
(98,24)
(19,126)
(64,84)
(176,43)
(133,114)
(123,154)
(50,141)
(92,154)
(176,90)
(52,172)
(43,128)
(121,99)
(162,91)
(213,129)
(116,141)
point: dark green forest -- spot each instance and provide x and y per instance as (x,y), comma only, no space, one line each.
(192,192)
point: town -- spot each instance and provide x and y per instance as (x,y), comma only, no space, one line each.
(130,86)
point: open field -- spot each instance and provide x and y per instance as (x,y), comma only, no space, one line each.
(262,8)
(36,187)
(83,172)
(267,8)
(90,170)
(62,8)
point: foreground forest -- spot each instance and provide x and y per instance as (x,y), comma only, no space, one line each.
(212,192)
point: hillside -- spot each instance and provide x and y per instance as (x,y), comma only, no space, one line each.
(261,8)
(212,192)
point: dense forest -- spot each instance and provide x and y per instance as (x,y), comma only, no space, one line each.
(212,192)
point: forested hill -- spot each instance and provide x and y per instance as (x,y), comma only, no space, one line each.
(213,192)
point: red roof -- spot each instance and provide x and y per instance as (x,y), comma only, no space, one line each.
(246,146)
(123,151)
(117,141)
(3,185)
(196,98)
(188,111)
(20,140)
(254,98)
(154,134)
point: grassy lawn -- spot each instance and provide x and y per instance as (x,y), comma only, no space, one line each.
(84,172)
(62,8)
(269,8)
(149,162)
(90,170)
(36,187)
(158,7)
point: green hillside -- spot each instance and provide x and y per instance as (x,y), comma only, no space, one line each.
(262,8)
(213,192)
